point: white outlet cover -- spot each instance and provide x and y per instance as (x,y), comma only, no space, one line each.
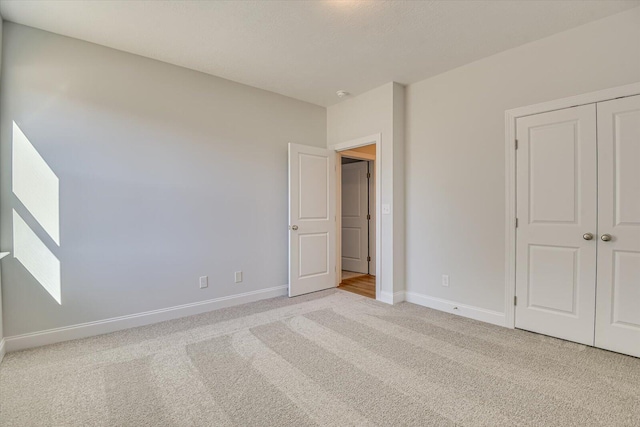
(238,276)
(204,282)
(386,209)
(445,280)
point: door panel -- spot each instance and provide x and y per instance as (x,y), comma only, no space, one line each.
(552,278)
(618,306)
(556,205)
(313,191)
(313,254)
(553,158)
(311,219)
(351,249)
(355,239)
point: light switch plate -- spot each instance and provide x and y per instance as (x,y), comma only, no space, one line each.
(238,276)
(386,209)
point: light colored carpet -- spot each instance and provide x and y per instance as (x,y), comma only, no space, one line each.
(331,358)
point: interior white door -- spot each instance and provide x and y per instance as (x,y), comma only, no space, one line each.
(618,298)
(355,233)
(556,208)
(312,219)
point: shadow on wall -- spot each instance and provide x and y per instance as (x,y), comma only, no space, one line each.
(36,188)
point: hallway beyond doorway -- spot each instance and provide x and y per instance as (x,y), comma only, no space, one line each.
(361,284)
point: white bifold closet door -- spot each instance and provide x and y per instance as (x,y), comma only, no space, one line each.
(578,235)
(618,296)
(556,207)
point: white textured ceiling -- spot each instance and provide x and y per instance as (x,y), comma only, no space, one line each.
(309,49)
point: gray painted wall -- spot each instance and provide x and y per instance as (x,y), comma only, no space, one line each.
(455,150)
(165,175)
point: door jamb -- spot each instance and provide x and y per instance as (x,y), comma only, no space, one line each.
(342,148)
(510,174)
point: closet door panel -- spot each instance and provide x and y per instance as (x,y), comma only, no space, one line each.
(556,206)
(618,285)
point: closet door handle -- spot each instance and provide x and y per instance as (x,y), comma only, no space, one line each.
(587,236)
(605,237)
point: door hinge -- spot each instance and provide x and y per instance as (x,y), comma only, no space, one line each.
(516,144)
(369,216)
(368,174)
(515,300)
(516,222)
(368,258)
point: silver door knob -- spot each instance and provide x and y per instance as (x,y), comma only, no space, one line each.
(605,237)
(294,227)
(587,236)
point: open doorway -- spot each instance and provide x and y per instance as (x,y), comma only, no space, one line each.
(315,216)
(357,211)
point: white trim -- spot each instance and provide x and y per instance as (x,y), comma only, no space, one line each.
(358,142)
(476,313)
(510,173)
(51,336)
(343,146)
(2,341)
(510,220)
(357,155)
(389,298)
(574,101)
(385,297)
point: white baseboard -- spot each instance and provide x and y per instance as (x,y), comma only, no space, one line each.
(51,336)
(392,298)
(2,349)
(476,313)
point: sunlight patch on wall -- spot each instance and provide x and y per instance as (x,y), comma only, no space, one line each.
(36,257)
(35,184)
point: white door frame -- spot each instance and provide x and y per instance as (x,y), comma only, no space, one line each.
(510,173)
(341,149)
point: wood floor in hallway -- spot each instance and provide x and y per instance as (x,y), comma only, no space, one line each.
(364,285)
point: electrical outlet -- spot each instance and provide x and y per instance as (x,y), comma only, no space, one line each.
(204,282)
(445,280)
(238,276)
